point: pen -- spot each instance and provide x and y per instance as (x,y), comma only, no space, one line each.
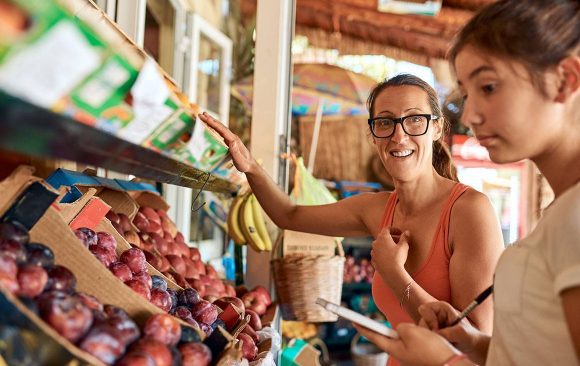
(478,300)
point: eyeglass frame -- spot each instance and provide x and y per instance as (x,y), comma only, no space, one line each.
(430,117)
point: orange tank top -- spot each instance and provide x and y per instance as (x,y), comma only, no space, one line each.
(432,275)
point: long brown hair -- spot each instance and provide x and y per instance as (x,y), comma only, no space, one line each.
(441,157)
(536,33)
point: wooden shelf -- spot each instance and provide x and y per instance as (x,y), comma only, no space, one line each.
(34,131)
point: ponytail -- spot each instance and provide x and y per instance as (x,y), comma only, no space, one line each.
(442,161)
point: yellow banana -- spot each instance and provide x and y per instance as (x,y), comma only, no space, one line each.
(233,223)
(260,223)
(248,226)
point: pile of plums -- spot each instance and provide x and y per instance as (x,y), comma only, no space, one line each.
(165,249)
(166,343)
(28,271)
(356,271)
(196,311)
(130,267)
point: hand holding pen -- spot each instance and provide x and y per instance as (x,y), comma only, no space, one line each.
(478,300)
(440,315)
(444,319)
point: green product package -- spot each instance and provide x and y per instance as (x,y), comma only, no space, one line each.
(50,56)
(206,151)
(100,101)
(60,63)
(171,131)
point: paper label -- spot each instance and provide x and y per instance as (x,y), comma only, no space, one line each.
(149,104)
(308,244)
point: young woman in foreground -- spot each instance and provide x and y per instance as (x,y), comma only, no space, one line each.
(518,66)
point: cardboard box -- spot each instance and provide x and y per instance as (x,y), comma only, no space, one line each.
(144,194)
(26,332)
(46,345)
(69,51)
(300,353)
(53,231)
(108,190)
(14,185)
(298,243)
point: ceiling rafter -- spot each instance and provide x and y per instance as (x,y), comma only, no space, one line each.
(360,19)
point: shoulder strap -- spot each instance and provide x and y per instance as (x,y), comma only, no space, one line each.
(387,219)
(456,192)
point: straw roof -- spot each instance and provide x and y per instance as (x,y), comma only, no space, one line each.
(358,27)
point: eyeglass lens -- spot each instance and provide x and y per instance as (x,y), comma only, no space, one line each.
(412,125)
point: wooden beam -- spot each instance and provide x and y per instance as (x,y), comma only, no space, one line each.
(467,4)
(441,25)
(373,30)
(360,19)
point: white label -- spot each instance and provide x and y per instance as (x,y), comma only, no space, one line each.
(49,69)
(198,143)
(149,95)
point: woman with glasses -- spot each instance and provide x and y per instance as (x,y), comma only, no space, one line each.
(435,239)
(518,66)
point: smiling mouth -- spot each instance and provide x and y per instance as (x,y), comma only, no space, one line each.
(401,154)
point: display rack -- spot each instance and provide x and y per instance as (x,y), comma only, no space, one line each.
(31,130)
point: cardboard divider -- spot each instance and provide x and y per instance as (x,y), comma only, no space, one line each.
(93,212)
(149,199)
(120,202)
(43,334)
(108,190)
(68,211)
(271,314)
(122,245)
(14,185)
(90,212)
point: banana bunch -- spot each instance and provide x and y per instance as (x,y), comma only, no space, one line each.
(302,330)
(246,225)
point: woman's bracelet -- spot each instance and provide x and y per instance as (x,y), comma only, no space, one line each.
(455,358)
(406,294)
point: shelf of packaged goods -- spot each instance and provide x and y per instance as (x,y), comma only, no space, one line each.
(34,131)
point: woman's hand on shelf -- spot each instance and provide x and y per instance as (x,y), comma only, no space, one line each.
(241,156)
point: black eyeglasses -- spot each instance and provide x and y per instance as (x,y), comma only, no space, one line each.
(413,125)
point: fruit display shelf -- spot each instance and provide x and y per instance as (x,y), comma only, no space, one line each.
(32,130)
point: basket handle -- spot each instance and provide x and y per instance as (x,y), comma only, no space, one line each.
(354,340)
(324,350)
(339,247)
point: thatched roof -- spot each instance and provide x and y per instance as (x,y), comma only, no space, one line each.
(357,26)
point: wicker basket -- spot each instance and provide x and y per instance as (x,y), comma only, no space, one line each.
(366,354)
(300,280)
